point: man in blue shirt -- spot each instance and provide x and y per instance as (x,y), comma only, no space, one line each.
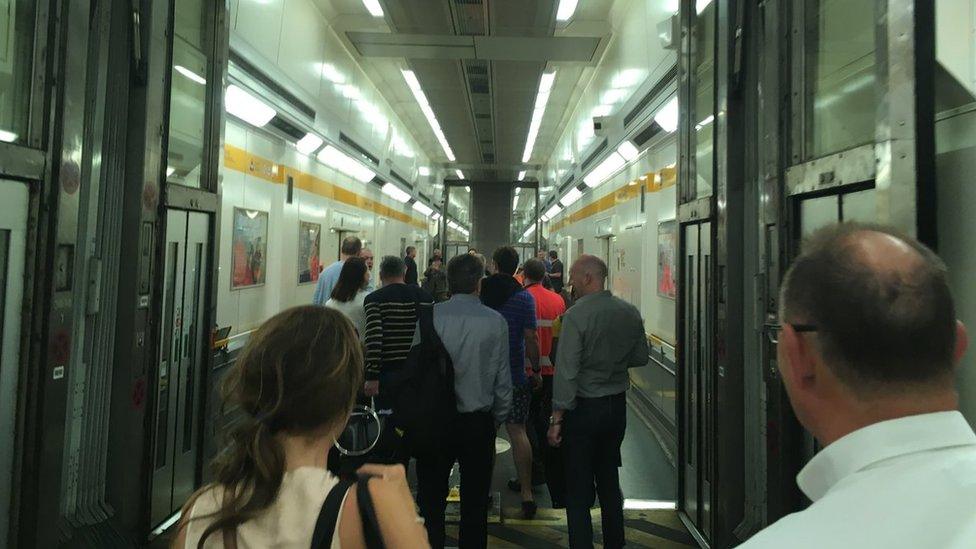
(503,293)
(476,338)
(351,246)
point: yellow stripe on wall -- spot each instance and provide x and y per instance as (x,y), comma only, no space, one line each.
(238,159)
(655,181)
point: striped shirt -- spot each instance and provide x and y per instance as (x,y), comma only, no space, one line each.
(391,316)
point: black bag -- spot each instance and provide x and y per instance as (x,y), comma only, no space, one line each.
(426,405)
(325,525)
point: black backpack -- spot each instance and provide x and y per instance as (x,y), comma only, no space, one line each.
(426,405)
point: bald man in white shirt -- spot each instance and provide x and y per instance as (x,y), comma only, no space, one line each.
(867,351)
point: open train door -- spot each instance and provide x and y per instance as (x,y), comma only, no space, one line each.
(845,127)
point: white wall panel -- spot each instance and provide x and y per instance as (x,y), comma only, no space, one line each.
(259,22)
(246,308)
(302,44)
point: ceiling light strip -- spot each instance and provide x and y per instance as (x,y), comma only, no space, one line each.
(418,94)
(541,99)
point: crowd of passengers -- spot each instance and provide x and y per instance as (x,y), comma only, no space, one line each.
(867,350)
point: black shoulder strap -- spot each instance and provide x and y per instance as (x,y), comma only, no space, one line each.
(325,526)
(371,526)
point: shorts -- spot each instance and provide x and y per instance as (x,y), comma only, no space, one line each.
(521,398)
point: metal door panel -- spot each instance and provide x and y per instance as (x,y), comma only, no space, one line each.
(707,381)
(13,232)
(689,276)
(168,367)
(193,358)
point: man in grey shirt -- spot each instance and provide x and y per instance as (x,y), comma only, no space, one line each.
(476,338)
(601,338)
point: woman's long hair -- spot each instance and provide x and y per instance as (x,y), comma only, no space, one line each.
(352,279)
(298,375)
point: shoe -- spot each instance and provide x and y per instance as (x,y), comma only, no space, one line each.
(514,485)
(528,510)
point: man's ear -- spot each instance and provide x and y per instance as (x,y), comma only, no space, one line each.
(800,366)
(962,342)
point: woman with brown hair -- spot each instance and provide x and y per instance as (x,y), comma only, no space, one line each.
(295,383)
(349,294)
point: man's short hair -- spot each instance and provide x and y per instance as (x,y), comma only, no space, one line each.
(506,260)
(463,273)
(553,254)
(410,249)
(392,267)
(876,328)
(351,245)
(535,270)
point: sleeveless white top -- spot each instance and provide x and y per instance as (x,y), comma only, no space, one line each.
(287,523)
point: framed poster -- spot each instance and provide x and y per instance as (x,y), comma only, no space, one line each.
(667,254)
(309,246)
(249,254)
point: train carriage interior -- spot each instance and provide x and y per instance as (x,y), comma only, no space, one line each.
(175,173)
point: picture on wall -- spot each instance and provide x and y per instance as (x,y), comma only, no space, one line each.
(667,255)
(249,254)
(309,244)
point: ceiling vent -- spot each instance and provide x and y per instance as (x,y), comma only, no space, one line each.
(358,148)
(659,87)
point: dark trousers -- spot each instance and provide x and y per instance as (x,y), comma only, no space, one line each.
(592,435)
(472,446)
(546,461)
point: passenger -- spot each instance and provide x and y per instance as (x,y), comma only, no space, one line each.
(351,246)
(435,281)
(476,338)
(556,272)
(409,259)
(549,306)
(367,256)
(542,256)
(473,251)
(391,316)
(602,337)
(868,350)
(502,293)
(350,292)
(270,484)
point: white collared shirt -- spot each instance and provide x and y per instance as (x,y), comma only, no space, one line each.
(904,483)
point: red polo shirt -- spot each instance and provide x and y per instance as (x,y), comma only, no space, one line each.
(548,307)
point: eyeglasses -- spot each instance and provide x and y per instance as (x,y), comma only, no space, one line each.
(773,332)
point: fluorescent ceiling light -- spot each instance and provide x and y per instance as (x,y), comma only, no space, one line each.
(309,144)
(396,193)
(170,170)
(374,7)
(553,211)
(424,209)
(529,231)
(418,94)
(628,151)
(8,137)
(436,216)
(338,160)
(708,120)
(567,8)
(541,99)
(247,107)
(604,170)
(424,171)
(667,117)
(515,202)
(544,218)
(700,5)
(460,175)
(610,97)
(191,75)
(521,175)
(332,74)
(571,197)
(467,190)
(518,190)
